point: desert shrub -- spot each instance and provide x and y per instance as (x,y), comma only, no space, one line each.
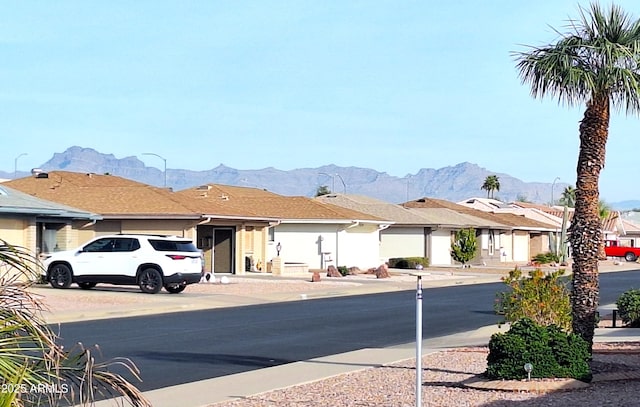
(629,308)
(546,258)
(343,270)
(543,298)
(408,262)
(552,352)
(464,245)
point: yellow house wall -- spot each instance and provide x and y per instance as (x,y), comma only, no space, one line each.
(161,227)
(18,232)
(13,231)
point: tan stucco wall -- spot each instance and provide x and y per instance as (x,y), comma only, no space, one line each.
(13,231)
(161,227)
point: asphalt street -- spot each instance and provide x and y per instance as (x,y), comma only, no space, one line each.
(211,343)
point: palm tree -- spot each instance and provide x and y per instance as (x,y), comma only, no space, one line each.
(568,197)
(30,355)
(491,184)
(595,62)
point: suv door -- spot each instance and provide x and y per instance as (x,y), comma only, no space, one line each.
(124,259)
(93,258)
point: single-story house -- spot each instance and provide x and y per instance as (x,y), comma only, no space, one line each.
(299,230)
(503,237)
(413,233)
(36,224)
(238,228)
(124,206)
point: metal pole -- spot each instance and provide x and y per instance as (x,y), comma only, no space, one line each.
(15,165)
(418,340)
(333,181)
(165,165)
(344,186)
(552,187)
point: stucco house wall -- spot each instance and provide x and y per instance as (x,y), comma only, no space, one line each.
(305,242)
(521,246)
(440,254)
(402,241)
(14,231)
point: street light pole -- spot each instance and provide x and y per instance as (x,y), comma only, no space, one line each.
(15,164)
(333,181)
(552,187)
(165,165)
(343,184)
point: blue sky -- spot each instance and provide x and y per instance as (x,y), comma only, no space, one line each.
(391,85)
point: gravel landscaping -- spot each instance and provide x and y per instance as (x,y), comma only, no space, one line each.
(444,376)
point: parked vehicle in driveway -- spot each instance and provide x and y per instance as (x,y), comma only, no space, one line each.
(148,261)
(614,248)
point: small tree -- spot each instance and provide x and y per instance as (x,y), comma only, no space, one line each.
(543,298)
(464,246)
(322,190)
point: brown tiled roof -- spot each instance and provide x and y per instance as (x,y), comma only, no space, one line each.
(107,195)
(405,216)
(227,200)
(506,219)
(375,207)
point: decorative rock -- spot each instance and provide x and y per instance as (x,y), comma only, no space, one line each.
(383,271)
(332,271)
(315,277)
(354,271)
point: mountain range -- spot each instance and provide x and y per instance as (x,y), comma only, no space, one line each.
(453,183)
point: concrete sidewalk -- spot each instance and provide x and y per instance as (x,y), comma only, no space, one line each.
(242,385)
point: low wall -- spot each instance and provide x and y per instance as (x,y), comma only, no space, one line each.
(289,268)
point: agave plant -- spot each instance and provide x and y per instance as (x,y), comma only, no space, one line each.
(34,368)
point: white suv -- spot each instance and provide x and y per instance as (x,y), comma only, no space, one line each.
(149,261)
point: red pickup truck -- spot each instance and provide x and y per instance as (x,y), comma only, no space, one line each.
(612,248)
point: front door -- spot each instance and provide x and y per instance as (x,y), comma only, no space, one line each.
(223,251)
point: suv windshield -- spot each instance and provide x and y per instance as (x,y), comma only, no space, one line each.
(173,246)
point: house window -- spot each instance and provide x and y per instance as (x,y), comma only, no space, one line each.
(272,234)
(49,237)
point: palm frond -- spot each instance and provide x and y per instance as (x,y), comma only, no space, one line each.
(30,354)
(599,55)
(88,379)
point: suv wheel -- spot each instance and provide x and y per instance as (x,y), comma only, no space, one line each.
(150,281)
(60,276)
(175,289)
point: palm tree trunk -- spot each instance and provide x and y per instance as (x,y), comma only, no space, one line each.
(586,226)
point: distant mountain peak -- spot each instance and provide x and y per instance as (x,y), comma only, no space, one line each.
(453,183)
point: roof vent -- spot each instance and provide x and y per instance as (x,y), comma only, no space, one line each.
(224,197)
(38,173)
(204,188)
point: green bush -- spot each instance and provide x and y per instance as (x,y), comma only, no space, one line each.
(408,262)
(629,308)
(539,297)
(464,245)
(552,352)
(546,258)
(343,270)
